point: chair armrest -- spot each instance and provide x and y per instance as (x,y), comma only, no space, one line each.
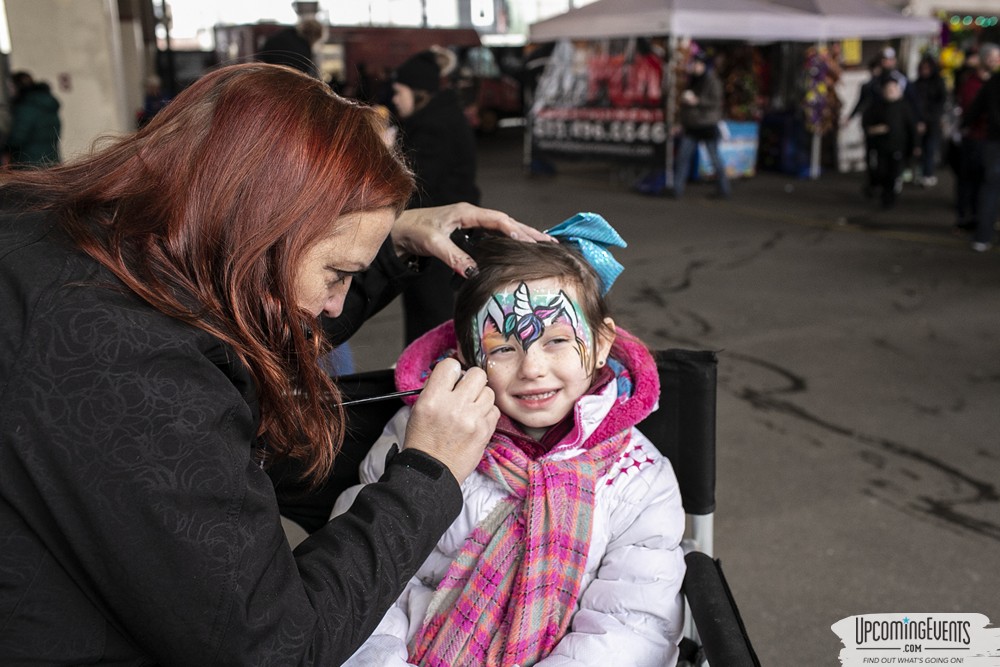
(716,616)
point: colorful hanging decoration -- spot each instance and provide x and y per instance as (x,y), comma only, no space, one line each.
(821,104)
(744,78)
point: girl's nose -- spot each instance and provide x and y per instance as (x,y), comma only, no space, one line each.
(532,362)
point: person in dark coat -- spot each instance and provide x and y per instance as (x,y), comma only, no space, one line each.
(162,300)
(931,94)
(892,128)
(35,125)
(293,47)
(986,108)
(869,92)
(700,114)
(973,133)
(441,149)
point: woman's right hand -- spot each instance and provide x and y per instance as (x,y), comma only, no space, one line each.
(453,418)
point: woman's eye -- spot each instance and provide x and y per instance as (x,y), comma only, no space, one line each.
(339,278)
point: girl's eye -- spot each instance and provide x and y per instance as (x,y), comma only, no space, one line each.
(499,350)
(557,341)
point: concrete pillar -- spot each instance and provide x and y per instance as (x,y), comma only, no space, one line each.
(76,46)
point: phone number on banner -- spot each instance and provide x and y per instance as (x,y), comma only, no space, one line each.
(616,131)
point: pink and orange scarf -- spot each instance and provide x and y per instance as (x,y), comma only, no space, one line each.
(508,597)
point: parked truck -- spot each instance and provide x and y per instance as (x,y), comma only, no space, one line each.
(358,62)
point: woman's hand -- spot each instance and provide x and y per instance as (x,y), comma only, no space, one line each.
(454,418)
(426,231)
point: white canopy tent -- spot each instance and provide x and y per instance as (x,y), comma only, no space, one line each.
(860,19)
(753,20)
(747,20)
(816,21)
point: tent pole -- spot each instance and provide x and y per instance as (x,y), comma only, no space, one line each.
(817,139)
(670,77)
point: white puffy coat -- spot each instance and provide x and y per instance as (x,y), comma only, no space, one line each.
(630,609)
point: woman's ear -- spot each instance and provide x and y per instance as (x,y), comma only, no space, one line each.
(605,339)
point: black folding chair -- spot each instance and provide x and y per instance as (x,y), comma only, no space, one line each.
(683,429)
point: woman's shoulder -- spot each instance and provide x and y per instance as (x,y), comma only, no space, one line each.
(69,299)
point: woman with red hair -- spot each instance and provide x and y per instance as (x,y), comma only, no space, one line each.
(162,300)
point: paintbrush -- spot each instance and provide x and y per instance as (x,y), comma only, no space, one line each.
(383,397)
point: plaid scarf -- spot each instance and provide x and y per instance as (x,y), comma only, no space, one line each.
(508,597)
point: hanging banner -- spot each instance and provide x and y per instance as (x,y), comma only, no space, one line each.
(602,100)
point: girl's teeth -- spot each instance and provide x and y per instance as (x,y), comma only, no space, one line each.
(537,397)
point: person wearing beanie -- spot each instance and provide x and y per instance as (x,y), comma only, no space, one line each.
(440,147)
(293,46)
(420,73)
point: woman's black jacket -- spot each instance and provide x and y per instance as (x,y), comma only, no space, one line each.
(136,524)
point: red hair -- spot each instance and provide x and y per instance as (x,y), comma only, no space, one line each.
(207,211)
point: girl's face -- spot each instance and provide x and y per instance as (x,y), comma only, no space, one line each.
(538,351)
(325,272)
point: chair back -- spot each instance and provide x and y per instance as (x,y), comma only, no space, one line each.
(683,428)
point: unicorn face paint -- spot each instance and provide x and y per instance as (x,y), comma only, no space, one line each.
(524,312)
(536,348)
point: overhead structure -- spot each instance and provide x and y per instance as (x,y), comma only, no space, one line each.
(745,20)
(860,19)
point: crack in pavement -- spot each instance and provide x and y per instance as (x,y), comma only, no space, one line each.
(765,246)
(948,510)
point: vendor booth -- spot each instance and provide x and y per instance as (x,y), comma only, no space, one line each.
(598,97)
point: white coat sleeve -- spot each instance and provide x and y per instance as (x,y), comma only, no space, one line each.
(387,645)
(632,612)
(373,465)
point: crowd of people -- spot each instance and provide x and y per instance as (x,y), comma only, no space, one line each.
(905,122)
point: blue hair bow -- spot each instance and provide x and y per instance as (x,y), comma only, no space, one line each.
(592,235)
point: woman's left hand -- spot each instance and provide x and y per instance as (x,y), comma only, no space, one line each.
(426,232)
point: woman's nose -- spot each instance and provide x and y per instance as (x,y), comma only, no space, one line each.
(334,305)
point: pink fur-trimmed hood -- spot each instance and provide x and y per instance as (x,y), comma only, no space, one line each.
(421,355)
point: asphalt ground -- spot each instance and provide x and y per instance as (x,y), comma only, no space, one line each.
(859,382)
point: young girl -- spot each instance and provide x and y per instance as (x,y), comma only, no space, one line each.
(567,549)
